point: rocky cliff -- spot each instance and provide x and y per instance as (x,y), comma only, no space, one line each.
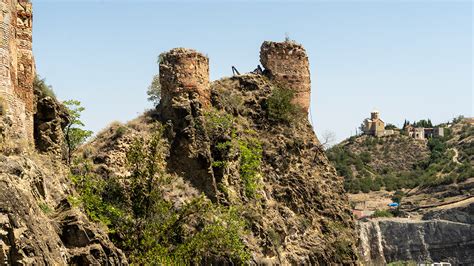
(244,143)
(38,223)
(442,235)
(434,183)
(38,226)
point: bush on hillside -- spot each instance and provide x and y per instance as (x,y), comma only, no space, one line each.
(281,107)
(382,213)
(40,85)
(146,225)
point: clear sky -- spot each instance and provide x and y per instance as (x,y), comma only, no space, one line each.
(407,59)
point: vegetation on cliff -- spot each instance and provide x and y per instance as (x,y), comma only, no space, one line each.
(267,186)
(145,224)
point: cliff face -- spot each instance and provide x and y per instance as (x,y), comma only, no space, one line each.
(37,224)
(448,238)
(299,212)
(290,196)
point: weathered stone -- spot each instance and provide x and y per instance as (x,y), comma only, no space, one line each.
(184,71)
(50,119)
(288,65)
(399,239)
(17,69)
(185,94)
(38,226)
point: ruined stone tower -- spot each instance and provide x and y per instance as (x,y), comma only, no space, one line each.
(287,65)
(184,71)
(17,70)
(185,95)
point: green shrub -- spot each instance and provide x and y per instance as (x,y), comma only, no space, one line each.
(390,126)
(149,227)
(218,123)
(397,196)
(281,107)
(365,184)
(45,208)
(365,157)
(382,213)
(40,85)
(250,162)
(164,238)
(120,131)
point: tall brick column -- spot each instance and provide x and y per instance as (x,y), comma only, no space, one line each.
(184,70)
(287,64)
(25,71)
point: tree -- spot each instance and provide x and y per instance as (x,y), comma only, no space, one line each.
(154,90)
(405,124)
(423,123)
(397,196)
(41,86)
(74,134)
(458,119)
(390,126)
(362,126)
(328,138)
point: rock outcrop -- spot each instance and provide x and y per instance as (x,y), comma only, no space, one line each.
(446,235)
(37,224)
(297,212)
(50,119)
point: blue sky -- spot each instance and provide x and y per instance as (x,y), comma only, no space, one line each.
(407,59)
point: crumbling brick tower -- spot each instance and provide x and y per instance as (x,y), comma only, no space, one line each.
(287,64)
(184,71)
(185,95)
(17,70)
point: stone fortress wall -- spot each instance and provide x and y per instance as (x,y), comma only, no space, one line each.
(288,65)
(17,70)
(184,70)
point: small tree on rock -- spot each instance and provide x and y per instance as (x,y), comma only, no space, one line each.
(154,90)
(74,133)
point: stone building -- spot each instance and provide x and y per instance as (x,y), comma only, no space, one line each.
(422,133)
(17,71)
(287,64)
(374,126)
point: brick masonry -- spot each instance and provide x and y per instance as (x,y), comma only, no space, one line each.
(288,65)
(17,69)
(184,70)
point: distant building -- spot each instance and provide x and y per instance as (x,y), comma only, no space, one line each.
(422,133)
(375,126)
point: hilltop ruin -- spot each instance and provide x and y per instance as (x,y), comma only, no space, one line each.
(187,71)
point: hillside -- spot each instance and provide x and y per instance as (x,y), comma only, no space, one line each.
(432,180)
(290,219)
(230,173)
(401,162)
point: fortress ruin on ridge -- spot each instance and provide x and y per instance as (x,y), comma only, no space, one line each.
(186,70)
